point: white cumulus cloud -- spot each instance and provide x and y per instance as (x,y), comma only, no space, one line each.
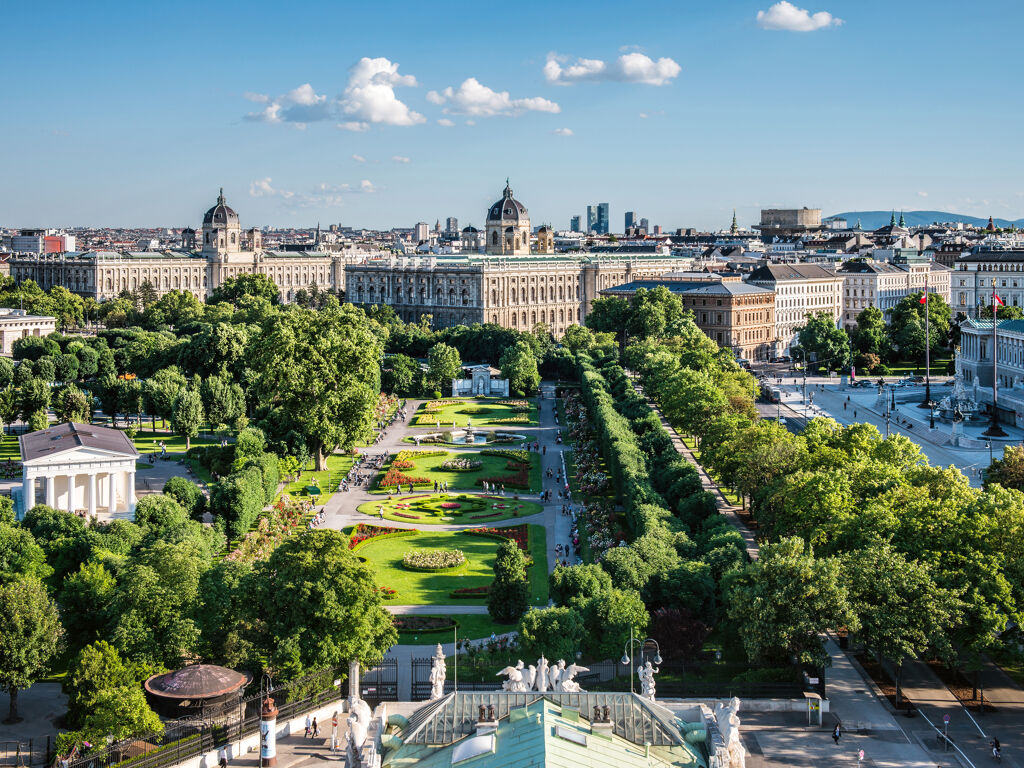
(632,67)
(445,122)
(562,131)
(367,186)
(400,159)
(786,16)
(359,158)
(475,98)
(370,94)
(354,125)
(261,188)
(300,106)
(322,195)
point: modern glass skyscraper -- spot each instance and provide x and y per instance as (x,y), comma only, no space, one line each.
(591,218)
(630,220)
(574,224)
(603,221)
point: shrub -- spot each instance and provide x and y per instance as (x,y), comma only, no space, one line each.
(238,499)
(433,559)
(514,454)
(188,494)
(460,465)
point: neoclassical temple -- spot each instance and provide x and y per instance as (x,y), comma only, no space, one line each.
(82,469)
(205,260)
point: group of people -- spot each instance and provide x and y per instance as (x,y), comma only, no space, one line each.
(382,425)
(312,728)
(490,487)
(317,520)
(356,477)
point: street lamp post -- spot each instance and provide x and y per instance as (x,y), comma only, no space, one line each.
(931,416)
(627,653)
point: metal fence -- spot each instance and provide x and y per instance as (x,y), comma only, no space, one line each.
(15,754)
(421,686)
(217,728)
(380,683)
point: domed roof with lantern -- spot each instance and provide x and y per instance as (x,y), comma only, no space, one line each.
(508,209)
(221,213)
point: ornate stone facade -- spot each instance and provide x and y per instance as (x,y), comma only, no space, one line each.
(225,252)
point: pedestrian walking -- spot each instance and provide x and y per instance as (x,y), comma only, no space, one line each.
(836,733)
(544,451)
(855,414)
(380,511)
(309,727)
(316,729)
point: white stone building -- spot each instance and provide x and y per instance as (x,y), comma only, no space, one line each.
(83,469)
(17,324)
(800,290)
(982,270)
(870,283)
(975,364)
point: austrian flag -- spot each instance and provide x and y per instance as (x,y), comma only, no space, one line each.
(997,300)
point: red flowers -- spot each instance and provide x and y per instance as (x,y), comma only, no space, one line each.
(520,534)
(362,532)
(394,477)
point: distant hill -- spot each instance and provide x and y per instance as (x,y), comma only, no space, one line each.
(876,219)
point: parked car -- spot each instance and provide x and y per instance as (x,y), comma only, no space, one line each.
(864,383)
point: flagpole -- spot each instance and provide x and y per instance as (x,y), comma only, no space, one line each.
(927,347)
(994,430)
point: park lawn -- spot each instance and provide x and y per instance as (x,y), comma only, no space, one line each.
(327,481)
(9,449)
(456,414)
(493,466)
(939,367)
(147,441)
(424,509)
(472,626)
(384,557)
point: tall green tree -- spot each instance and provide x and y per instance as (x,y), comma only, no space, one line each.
(785,599)
(824,343)
(509,596)
(30,637)
(315,606)
(443,365)
(519,366)
(323,370)
(187,415)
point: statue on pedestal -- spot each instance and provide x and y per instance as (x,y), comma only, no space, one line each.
(646,673)
(542,674)
(438,674)
(728,719)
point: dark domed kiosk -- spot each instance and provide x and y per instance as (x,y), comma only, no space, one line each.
(195,689)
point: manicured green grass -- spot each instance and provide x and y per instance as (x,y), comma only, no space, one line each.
(200,471)
(147,441)
(425,509)
(327,481)
(143,465)
(9,449)
(384,556)
(472,626)
(457,414)
(493,466)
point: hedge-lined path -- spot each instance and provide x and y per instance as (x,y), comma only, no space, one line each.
(725,507)
(430,610)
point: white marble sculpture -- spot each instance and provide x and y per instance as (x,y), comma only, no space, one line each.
(542,674)
(513,677)
(727,716)
(555,674)
(565,680)
(646,673)
(438,673)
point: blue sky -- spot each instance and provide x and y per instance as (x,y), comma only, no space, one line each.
(135,113)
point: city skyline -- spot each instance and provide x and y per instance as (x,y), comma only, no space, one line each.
(422,120)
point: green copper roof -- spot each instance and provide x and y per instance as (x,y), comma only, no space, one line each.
(539,730)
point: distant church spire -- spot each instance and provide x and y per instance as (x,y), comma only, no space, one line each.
(903,222)
(892,219)
(733,227)
(316,237)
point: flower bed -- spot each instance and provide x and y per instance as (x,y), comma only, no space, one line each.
(469,593)
(363,533)
(449,505)
(284,517)
(521,478)
(387,593)
(514,403)
(407,455)
(513,454)
(439,405)
(433,559)
(394,477)
(460,465)
(423,623)
(520,534)
(523,419)
(402,464)
(486,517)
(406,516)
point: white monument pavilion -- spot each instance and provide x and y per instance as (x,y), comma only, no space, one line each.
(483,380)
(85,469)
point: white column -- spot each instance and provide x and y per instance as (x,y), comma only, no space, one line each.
(28,492)
(130,490)
(51,491)
(92,494)
(111,493)
(71,493)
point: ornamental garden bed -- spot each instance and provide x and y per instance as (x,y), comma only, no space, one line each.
(520,534)
(363,533)
(514,468)
(438,509)
(385,555)
(470,593)
(482,411)
(433,560)
(423,623)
